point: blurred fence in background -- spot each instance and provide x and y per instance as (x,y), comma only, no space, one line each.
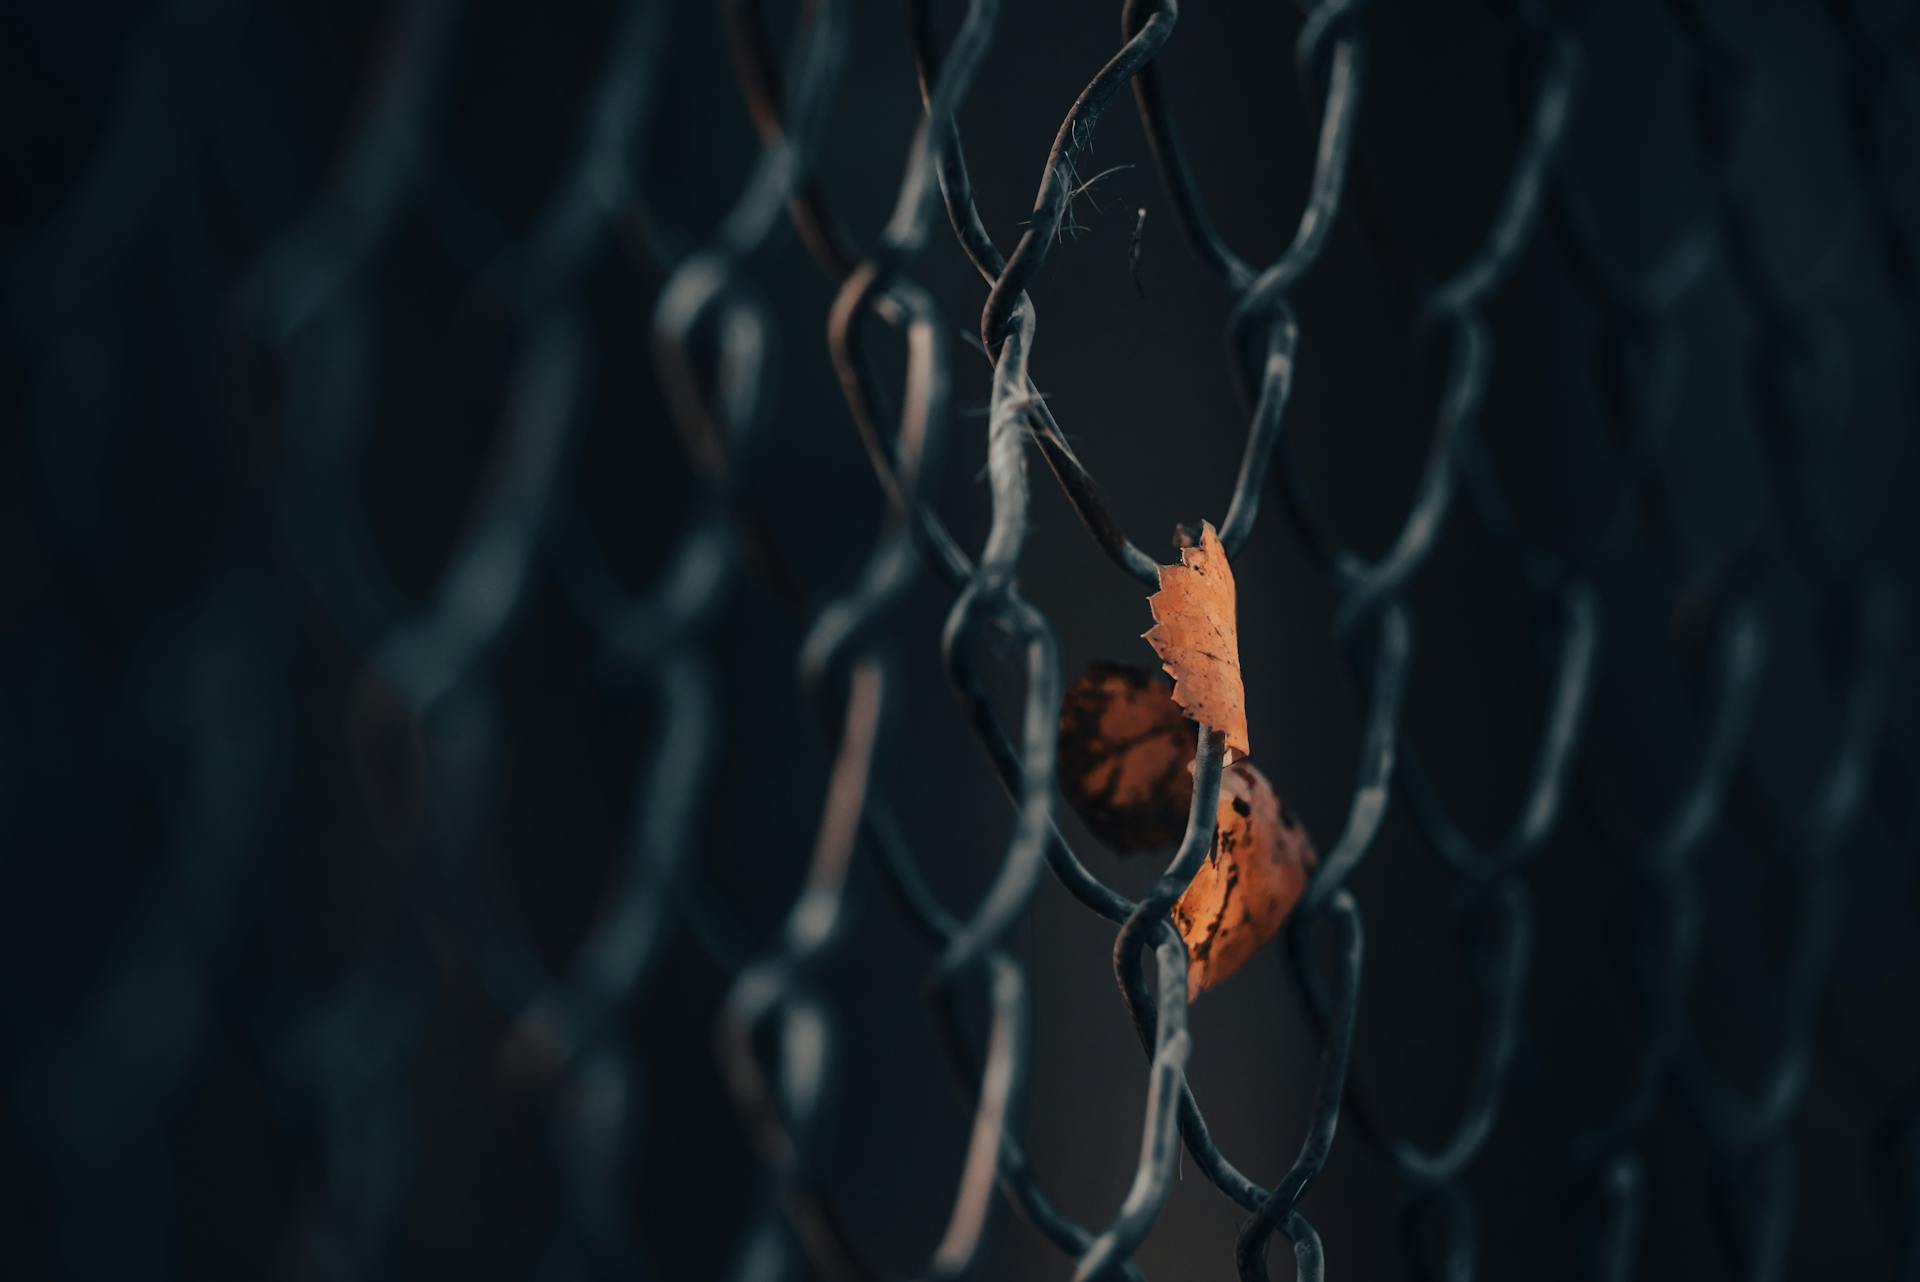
(443,436)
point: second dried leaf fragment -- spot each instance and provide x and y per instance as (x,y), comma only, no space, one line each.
(1253,876)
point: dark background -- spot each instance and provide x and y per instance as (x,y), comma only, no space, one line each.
(231,1018)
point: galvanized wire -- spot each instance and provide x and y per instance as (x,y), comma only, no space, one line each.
(309,306)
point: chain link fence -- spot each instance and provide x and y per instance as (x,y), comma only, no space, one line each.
(472,768)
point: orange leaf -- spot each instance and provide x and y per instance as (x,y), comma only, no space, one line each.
(1197,636)
(1252,878)
(1125,757)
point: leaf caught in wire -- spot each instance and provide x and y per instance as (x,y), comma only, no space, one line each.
(1197,636)
(1252,878)
(1126,756)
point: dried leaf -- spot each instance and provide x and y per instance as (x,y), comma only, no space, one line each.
(1252,878)
(1125,757)
(1197,636)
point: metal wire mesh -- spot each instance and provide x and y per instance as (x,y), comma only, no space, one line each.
(96,1089)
